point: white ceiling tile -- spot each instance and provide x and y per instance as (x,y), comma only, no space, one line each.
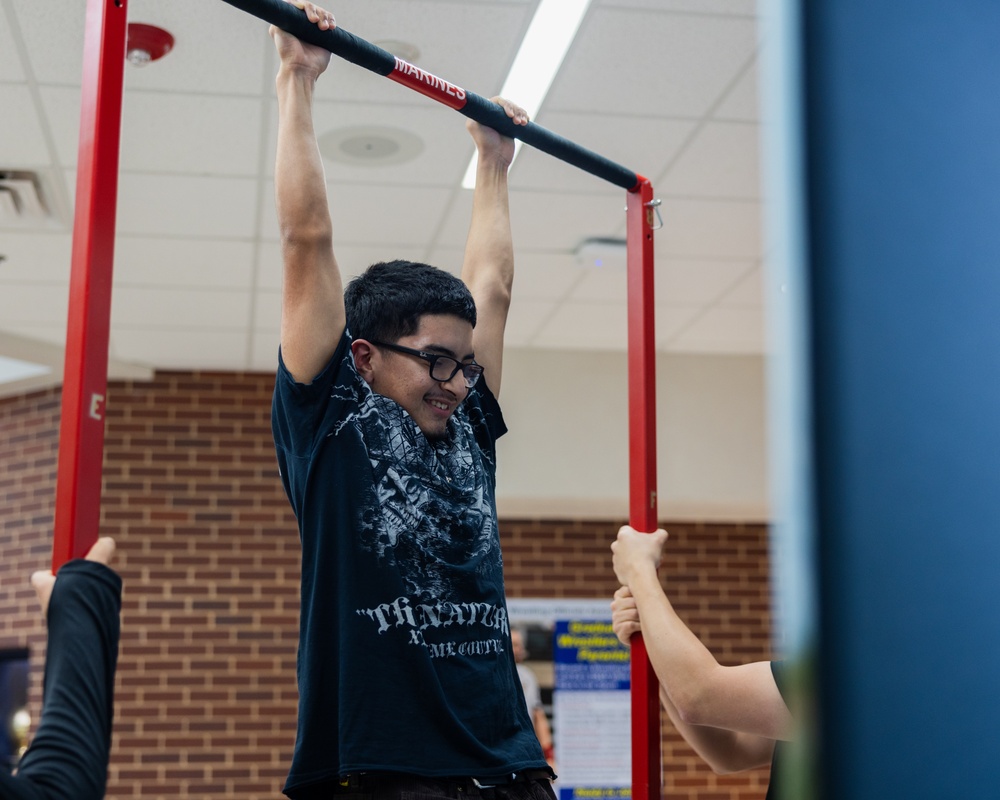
(183,263)
(671,320)
(208,310)
(35,258)
(401,219)
(22,144)
(721,161)
(353,260)
(543,276)
(526,319)
(268,274)
(53,37)
(671,65)
(61,107)
(11,68)
(585,326)
(172,205)
(722,329)
(195,134)
(597,284)
(263,353)
(34,303)
(199,128)
(468,44)
(742,102)
(559,222)
(267,312)
(446,258)
(644,145)
(748,291)
(217,49)
(735,7)
(50,334)
(685,281)
(183,349)
(446,146)
(710,229)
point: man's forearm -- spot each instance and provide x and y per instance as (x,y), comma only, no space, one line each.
(723,750)
(300,182)
(312,305)
(488,265)
(489,248)
(678,657)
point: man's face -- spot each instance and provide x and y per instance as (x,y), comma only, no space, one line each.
(517,645)
(407,380)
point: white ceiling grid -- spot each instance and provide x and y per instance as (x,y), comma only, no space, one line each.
(664,87)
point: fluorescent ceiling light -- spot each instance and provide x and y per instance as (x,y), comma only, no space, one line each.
(12,369)
(542,51)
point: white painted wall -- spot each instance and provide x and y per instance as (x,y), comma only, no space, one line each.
(567,450)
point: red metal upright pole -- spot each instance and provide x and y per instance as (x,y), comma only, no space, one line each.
(85,377)
(646,769)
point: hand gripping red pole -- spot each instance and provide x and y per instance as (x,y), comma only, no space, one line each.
(646,770)
(85,376)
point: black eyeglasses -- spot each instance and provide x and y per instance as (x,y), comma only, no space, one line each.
(441,369)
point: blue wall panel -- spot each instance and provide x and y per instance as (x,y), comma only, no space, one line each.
(902,143)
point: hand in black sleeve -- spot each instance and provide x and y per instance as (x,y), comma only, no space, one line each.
(68,756)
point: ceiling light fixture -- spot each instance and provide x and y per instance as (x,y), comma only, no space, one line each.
(147,43)
(542,51)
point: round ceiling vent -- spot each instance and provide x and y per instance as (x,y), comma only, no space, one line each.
(404,50)
(370,146)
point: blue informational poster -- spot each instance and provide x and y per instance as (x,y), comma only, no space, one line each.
(593,711)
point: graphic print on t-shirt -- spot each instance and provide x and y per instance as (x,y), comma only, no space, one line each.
(432,520)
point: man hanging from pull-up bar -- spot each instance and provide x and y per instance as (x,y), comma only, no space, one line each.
(385,425)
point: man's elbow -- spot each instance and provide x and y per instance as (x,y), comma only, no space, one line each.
(494,294)
(307,236)
(741,752)
(724,767)
(692,707)
(739,755)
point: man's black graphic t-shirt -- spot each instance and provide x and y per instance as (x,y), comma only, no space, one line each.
(404,655)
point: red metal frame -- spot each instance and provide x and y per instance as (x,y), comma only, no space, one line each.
(85,376)
(646,766)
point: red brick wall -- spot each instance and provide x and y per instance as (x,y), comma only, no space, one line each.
(718,581)
(208,549)
(29,438)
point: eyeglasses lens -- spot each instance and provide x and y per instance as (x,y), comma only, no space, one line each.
(445,368)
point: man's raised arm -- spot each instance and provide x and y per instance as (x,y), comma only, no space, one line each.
(488,266)
(312,298)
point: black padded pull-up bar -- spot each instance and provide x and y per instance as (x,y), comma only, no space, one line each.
(358,51)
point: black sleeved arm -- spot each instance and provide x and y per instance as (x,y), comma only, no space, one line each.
(68,756)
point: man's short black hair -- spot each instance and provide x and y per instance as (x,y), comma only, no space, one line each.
(388,299)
